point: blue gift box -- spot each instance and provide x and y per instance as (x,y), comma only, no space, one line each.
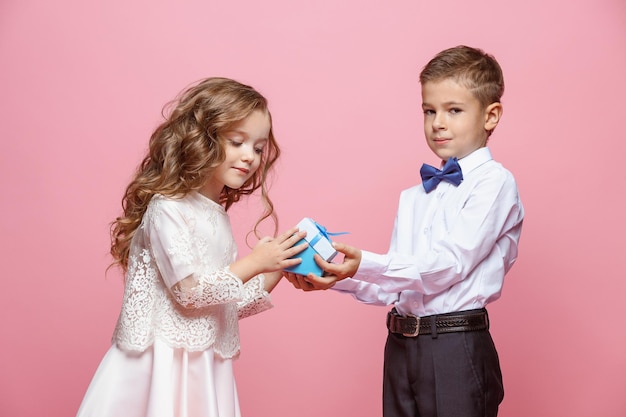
(319,242)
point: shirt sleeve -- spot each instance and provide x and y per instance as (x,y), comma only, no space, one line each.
(365,292)
(192,283)
(486,226)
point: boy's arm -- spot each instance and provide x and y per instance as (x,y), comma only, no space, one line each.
(484,231)
(338,278)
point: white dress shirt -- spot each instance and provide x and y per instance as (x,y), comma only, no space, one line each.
(450,248)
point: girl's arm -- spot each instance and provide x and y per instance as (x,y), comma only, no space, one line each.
(256,290)
(271,279)
(218,287)
(184,260)
(256,294)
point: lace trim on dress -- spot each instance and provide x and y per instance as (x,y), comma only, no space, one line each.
(186,318)
(218,287)
(199,311)
(256,299)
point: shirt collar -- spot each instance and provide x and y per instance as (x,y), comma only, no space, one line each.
(475,159)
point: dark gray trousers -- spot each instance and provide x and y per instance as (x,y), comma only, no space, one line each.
(449,375)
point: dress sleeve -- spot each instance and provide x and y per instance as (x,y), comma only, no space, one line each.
(255,299)
(180,258)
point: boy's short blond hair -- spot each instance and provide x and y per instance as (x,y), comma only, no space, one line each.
(470,67)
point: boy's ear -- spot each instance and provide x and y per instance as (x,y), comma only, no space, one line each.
(493,112)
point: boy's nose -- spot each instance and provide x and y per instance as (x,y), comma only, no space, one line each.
(438,122)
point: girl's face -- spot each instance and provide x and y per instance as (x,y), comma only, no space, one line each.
(244,145)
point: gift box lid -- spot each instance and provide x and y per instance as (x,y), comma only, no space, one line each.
(318,239)
(319,242)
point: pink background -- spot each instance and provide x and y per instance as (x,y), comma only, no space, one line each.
(82,85)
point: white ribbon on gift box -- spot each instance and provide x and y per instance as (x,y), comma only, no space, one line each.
(321,238)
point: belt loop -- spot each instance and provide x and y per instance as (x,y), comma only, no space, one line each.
(433,327)
(487,319)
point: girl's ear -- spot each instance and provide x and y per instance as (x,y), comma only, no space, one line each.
(493,112)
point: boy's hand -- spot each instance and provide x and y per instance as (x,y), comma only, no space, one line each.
(334,272)
(308,283)
(346,269)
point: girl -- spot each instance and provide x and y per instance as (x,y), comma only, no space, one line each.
(184,292)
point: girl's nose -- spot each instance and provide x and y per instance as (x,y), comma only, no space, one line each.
(247,153)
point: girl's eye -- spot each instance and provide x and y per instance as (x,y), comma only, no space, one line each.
(258,150)
(235,143)
(428,112)
(455,111)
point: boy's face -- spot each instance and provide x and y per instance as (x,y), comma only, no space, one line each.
(455,123)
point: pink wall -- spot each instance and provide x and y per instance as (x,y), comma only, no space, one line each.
(82,84)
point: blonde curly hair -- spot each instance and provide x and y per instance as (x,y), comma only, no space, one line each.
(186,148)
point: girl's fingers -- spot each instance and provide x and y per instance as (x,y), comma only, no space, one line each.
(288,234)
(294,250)
(292,235)
(286,263)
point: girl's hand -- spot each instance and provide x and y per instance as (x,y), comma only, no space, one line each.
(270,254)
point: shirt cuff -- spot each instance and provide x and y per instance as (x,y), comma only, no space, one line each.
(371,268)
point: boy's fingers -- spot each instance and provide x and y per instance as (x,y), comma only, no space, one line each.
(305,284)
(321,283)
(347,250)
(300,282)
(293,279)
(335,269)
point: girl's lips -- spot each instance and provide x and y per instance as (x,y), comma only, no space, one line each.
(243,170)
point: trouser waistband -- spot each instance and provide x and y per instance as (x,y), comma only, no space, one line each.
(461,321)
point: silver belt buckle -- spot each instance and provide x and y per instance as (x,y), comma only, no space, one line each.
(416,331)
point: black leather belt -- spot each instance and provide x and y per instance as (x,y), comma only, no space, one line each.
(461,321)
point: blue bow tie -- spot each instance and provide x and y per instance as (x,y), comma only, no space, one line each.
(431,176)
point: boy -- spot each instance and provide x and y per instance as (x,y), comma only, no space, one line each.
(455,237)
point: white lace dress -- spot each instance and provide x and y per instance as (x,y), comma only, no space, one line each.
(177,332)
